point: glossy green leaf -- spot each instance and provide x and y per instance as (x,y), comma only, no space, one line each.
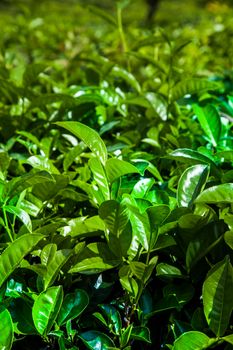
(47,253)
(113,316)
(114,215)
(83,226)
(210,122)
(192,340)
(95,340)
(89,136)
(42,163)
(192,86)
(15,252)
(141,333)
(100,176)
(142,187)
(21,214)
(217,296)
(166,270)
(191,184)
(189,156)
(118,233)
(125,336)
(54,266)
(46,308)
(116,168)
(129,78)
(95,258)
(217,194)
(73,305)
(140,223)
(138,269)
(6,329)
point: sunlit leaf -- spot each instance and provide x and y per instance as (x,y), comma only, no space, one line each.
(89,136)
(46,309)
(15,252)
(6,329)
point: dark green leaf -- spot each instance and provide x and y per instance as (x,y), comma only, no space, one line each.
(95,340)
(73,305)
(217,296)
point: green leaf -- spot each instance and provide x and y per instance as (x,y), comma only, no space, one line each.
(116,168)
(6,329)
(4,161)
(228,237)
(21,214)
(139,222)
(73,305)
(18,185)
(228,338)
(217,296)
(192,340)
(125,336)
(129,78)
(95,258)
(166,270)
(95,340)
(141,333)
(48,252)
(103,14)
(15,252)
(21,312)
(191,184)
(189,156)
(100,176)
(46,308)
(114,215)
(142,187)
(31,73)
(42,163)
(55,265)
(191,86)
(210,122)
(82,226)
(217,194)
(113,316)
(205,240)
(89,136)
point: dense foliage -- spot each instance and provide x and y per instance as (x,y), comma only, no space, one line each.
(116,179)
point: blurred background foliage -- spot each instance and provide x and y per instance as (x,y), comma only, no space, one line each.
(70,27)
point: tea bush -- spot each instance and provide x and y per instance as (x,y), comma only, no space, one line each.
(116,180)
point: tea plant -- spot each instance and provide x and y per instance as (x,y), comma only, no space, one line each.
(115,181)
